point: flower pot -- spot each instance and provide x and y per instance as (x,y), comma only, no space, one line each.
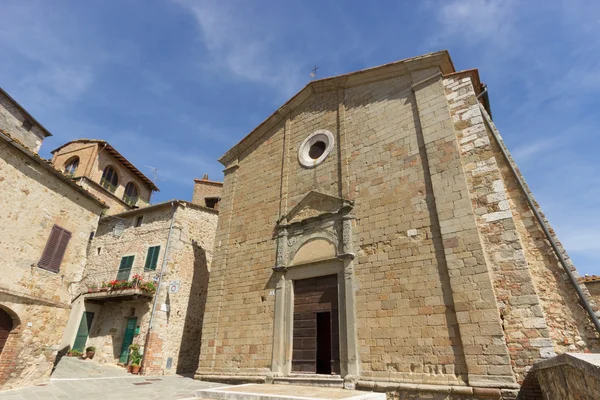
(90,354)
(135,369)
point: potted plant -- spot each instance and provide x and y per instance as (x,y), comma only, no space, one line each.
(74,353)
(90,352)
(136,358)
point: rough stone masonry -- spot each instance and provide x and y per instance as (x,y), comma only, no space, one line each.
(391,181)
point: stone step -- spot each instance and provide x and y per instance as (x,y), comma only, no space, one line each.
(334,381)
(254,391)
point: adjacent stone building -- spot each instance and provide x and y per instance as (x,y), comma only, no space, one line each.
(207,193)
(46,222)
(374,232)
(115,303)
(99,168)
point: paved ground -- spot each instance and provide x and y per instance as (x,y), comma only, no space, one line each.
(289,392)
(79,379)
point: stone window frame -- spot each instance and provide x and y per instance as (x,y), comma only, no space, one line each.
(321,135)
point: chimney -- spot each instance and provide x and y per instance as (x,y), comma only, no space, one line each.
(207,193)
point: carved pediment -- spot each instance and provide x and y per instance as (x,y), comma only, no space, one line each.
(313,205)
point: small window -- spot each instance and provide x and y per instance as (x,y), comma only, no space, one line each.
(55,249)
(27,125)
(99,250)
(152,258)
(110,179)
(71,166)
(212,202)
(138,221)
(315,148)
(131,194)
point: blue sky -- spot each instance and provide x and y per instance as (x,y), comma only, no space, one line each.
(174,84)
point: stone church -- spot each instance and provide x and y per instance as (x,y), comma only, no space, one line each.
(375,233)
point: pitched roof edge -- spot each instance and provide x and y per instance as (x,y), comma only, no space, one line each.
(20,107)
(440,58)
(9,139)
(209,182)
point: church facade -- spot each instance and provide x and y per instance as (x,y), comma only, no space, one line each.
(375,233)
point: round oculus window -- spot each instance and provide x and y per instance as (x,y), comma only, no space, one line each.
(315,148)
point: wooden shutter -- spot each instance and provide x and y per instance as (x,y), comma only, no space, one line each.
(55,249)
(152,258)
(125,268)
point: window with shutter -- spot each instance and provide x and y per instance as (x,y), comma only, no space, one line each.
(152,258)
(55,249)
(125,268)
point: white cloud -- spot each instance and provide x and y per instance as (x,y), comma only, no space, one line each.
(43,63)
(477,21)
(243,49)
(526,151)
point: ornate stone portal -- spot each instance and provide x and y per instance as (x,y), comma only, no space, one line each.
(315,239)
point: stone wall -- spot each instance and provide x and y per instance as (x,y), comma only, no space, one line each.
(176,332)
(33,201)
(539,307)
(407,327)
(594,288)
(446,281)
(12,120)
(204,188)
(570,377)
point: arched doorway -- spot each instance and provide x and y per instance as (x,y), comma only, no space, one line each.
(6,325)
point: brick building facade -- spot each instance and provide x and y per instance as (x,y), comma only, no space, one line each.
(392,181)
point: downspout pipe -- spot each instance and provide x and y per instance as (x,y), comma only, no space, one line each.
(160,276)
(584,301)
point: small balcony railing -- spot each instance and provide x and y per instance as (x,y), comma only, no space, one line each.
(107,185)
(117,282)
(132,201)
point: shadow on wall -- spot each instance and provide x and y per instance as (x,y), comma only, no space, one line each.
(189,352)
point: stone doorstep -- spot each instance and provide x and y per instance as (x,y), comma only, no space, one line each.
(335,381)
(253,391)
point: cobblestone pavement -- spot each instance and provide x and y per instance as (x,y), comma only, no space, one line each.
(79,379)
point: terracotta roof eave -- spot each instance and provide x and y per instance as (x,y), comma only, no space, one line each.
(444,62)
(8,138)
(589,279)
(24,111)
(207,181)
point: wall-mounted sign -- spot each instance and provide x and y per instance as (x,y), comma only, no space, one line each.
(173,286)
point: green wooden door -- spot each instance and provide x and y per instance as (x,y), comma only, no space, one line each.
(127,339)
(83,331)
(125,268)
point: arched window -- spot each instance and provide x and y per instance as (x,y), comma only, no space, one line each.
(110,179)
(131,194)
(71,166)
